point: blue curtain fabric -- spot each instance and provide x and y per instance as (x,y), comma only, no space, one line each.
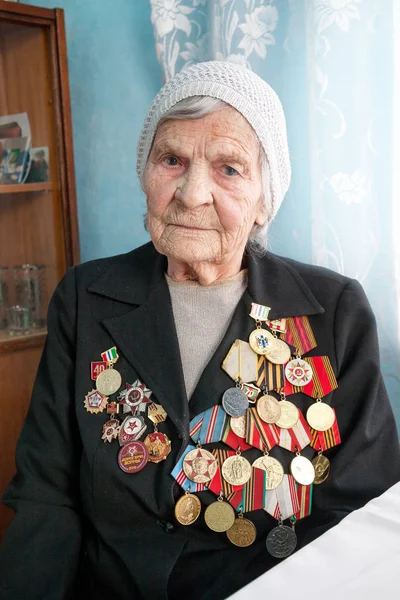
(336,67)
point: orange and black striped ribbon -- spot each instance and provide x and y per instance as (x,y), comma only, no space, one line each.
(299,334)
(269,375)
(218,483)
(263,436)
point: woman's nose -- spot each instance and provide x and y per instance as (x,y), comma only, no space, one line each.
(194,189)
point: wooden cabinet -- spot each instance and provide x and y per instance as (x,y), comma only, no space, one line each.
(38,221)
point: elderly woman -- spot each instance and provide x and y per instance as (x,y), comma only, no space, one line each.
(202,406)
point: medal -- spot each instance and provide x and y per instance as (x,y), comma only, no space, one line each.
(261,341)
(132,428)
(135,395)
(322,468)
(232,440)
(296,437)
(156,413)
(218,485)
(187,509)
(241,362)
(250,390)
(110,430)
(243,532)
(281,541)
(179,475)
(323,440)
(96,368)
(289,414)
(279,352)
(108,382)
(235,402)
(268,409)
(133,457)
(238,426)
(320,416)
(199,465)
(273,468)
(219,516)
(298,372)
(302,470)
(158,446)
(283,500)
(323,378)
(95,402)
(236,470)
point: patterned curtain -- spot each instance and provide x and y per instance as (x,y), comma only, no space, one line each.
(336,67)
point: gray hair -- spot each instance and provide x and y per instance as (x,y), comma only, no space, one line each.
(197,107)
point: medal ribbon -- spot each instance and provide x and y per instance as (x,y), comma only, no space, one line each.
(323,440)
(259,312)
(278,325)
(218,483)
(259,434)
(269,375)
(298,436)
(179,475)
(195,427)
(283,501)
(232,440)
(323,381)
(110,355)
(213,425)
(252,497)
(299,334)
(304,494)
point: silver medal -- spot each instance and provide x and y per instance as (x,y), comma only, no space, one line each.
(235,402)
(281,541)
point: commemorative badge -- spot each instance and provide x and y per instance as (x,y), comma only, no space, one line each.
(136,396)
(132,429)
(95,402)
(133,457)
(110,430)
(158,446)
(109,380)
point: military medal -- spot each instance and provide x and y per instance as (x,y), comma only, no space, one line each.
(235,402)
(279,352)
(289,414)
(156,413)
(109,381)
(110,430)
(298,372)
(322,468)
(158,445)
(323,440)
(302,470)
(322,382)
(238,426)
(180,477)
(268,409)
(281,541)
(132,428)
(243,532)
(261,341)
(241,362)
(273,468)
(219,516)
(236,470)
(95,402)
(133,457)
(135,395)
(320,416)
(187,509)
(200,465)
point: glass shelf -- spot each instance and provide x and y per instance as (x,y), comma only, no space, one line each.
(18,188)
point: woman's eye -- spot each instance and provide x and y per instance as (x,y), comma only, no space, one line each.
(171,161)
(230,171)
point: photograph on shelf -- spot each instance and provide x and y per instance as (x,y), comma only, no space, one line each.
(15,143)
(39,170)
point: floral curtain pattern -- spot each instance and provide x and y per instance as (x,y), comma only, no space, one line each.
(333,64)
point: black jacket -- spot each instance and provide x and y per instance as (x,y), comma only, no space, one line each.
(85,528)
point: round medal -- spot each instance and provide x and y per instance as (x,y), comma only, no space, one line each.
(289,415)
(158,445)
(235,402)
(108,382)
(322,467)
(200,465)
(320,416)
(187,509)
(273,468)
(132,428)
(236,470)
(281,541)
(239,426)
(219,516)
(133,457)
(302,470)
(261,341)
(243,532)
(134,396)
(268,409)
(279,352)
(298,372)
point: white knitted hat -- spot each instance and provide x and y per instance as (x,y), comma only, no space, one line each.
(245,91)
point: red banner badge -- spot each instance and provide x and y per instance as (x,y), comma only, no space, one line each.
(297,437)
(323,379)
(259,434)
(323,440)
(299,334)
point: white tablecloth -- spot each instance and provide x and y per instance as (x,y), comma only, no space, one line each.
(358,559)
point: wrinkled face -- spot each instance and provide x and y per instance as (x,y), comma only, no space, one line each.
(203,187)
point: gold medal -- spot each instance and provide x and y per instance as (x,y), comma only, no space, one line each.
(322,467)
(219,516)
(320,416)
(199,465)
(236,470)
(268,409)
(239,426)
(279,353)
(273,468)
(302,470)
(289,415)
(243,532)
(158,445)
(108,382)
(261,341)
(187,509)
(95,402)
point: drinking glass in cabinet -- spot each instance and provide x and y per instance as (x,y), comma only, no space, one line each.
(29,283)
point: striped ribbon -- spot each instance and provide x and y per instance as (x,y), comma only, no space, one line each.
(110,355)
(218,483)
(323,440)
(195,427)
(283,501)
(180,477)
(232,440)
(278,325)
(269,375)
(259,312)
(322,383)
(213,425)
(259,434)
(304,494)
(298,436)
(252,497)
(299,334)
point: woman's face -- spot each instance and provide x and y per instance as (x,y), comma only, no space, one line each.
(203,187)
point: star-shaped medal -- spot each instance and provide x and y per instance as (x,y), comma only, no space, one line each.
(136,396)
(199,465)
